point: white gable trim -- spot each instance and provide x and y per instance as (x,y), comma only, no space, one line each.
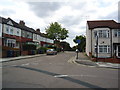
(10,23)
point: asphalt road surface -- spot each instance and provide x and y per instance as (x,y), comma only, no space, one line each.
(56,71)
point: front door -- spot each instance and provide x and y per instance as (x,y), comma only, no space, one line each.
(118,50)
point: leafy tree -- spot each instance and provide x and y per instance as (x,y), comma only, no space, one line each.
(65,46)
(56,32)
(74,48)
(82,44)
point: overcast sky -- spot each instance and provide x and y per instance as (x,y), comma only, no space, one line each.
(71,14)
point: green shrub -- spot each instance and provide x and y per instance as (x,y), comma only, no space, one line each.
(42,50)
(27,47)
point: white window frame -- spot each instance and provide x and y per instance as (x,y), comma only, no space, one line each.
(11,31)
(10,43)
(101,33)
(18,32)
(23,33)
(103,47)
(7,30)
(117,32)
(35,36)
(29,35)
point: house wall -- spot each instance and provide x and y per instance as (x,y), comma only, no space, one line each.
(0,40)
(15,30)
(50,41)
(26,34)
(88,41)
(36,37)
(101,41)
(43,39)
(16,34)
(115,39)
(0,30)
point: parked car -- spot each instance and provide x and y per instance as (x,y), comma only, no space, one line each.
(51,52)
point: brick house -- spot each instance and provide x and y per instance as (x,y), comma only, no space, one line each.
(41,39)
(108,44)
(11,36)
(26,36)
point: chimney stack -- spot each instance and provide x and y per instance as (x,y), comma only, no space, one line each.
(22,23)
(38,30)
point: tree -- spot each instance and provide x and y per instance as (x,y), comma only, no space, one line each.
(82,44)
(65,46)
(56,32)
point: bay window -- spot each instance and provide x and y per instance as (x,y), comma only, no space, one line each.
(103,49)
(102,33)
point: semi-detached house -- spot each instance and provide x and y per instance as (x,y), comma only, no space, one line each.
(11,37)
(103,39)
(41,39)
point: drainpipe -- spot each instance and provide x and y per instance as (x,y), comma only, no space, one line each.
(111,42)
(97,47)
(91,41)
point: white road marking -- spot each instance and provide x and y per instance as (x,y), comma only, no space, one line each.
(59,76)
(25,64)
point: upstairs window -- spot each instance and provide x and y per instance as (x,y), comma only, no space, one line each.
(11,31)
(23,34)
(28,35)
(117,33)
(35,36)
(103,34)
(7,30)
(17,33)
(95,33)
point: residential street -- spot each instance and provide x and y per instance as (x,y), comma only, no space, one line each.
(56,71)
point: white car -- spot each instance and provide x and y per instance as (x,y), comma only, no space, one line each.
(51,52)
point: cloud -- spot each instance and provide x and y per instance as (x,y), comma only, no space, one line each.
(71,20)
(71,14)
(7,12)
(112,15)
(44,9)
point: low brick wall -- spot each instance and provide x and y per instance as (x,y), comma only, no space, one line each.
(24,53)
(111,60)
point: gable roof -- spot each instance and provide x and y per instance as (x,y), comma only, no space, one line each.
(103,23)
(5,21)
(23,27)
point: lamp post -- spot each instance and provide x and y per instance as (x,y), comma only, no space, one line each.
(77,53)
(96,48)
(78,41)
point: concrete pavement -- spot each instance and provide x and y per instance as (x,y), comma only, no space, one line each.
(20,57)
(82,59)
